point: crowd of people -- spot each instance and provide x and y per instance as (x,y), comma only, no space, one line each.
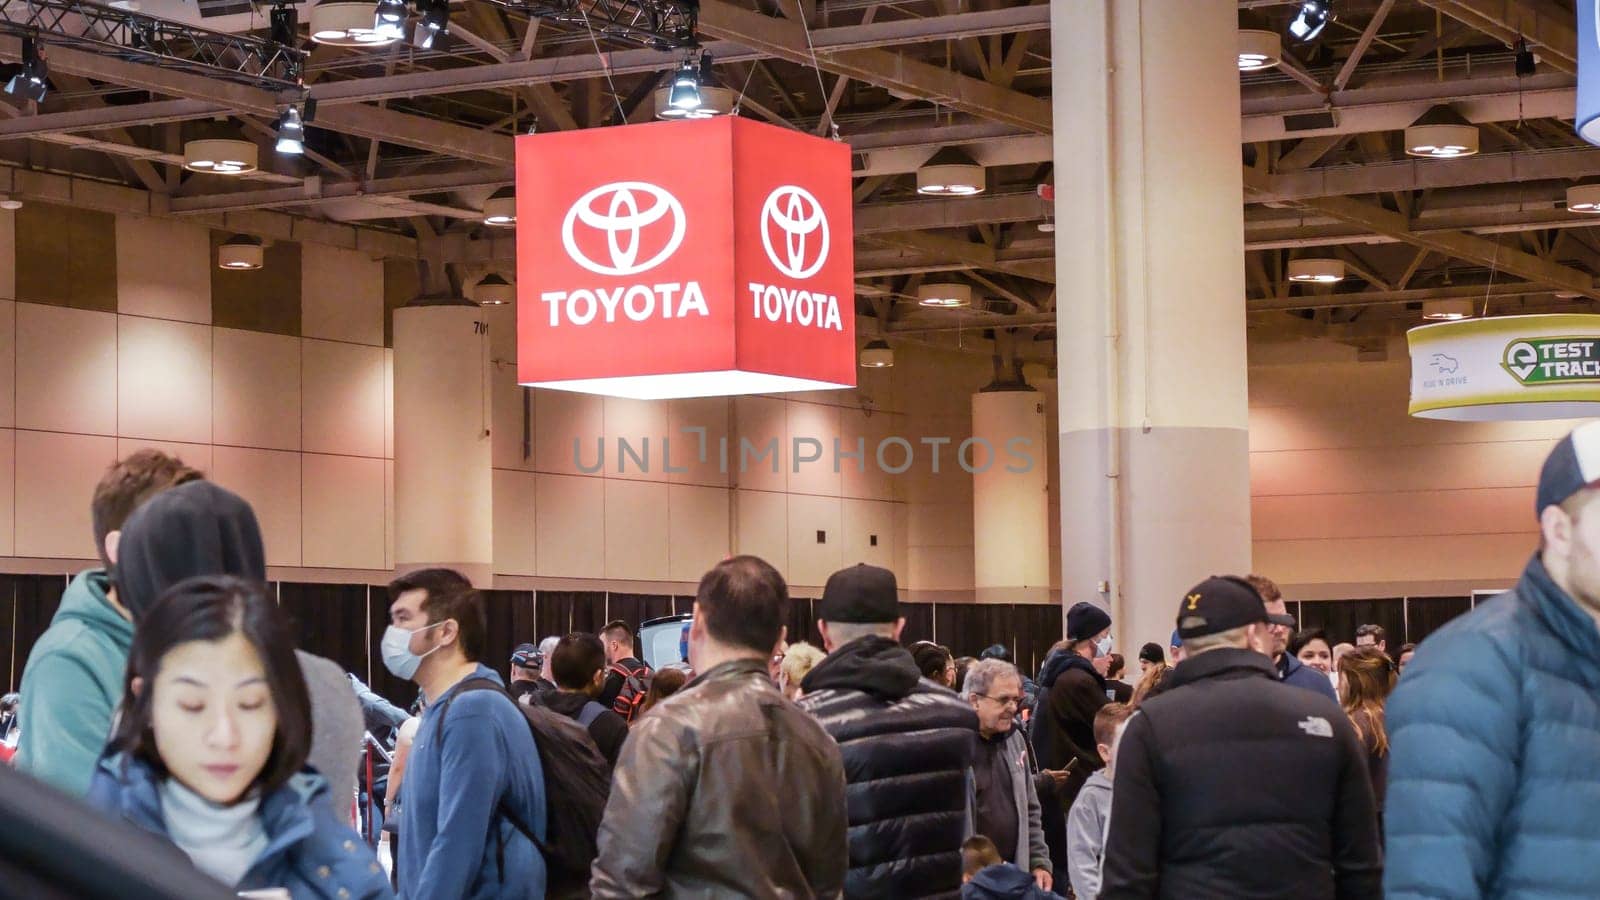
(1246,759)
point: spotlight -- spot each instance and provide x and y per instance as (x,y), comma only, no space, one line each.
(389,20)
(32,81)
(285,22)
(291,132)
(685,93)
(1526,62)
(435,21)
(1314,15)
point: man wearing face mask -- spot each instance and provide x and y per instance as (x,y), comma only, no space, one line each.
(473,800)
(1072,688)
(1229,785)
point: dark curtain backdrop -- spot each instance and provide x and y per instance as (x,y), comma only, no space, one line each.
(919,622)
(511,621)
(637,608)
(802,621)
(28,603)
(1341,618)
(1038,628)
(330,620)
(1425,615)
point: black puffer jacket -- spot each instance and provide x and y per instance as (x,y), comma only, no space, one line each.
(907,746)
(1232,784)
(1070,693)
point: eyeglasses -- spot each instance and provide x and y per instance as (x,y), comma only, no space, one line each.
(1003,701)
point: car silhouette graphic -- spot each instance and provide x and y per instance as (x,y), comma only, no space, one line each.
(1444,365)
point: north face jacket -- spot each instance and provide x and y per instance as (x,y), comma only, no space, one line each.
(1494,753)
(1233,784)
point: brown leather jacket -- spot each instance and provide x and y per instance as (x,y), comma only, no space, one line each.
(725,789)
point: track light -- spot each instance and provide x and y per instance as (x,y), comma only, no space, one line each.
(291,132)
(435,21)
(389,20)
(715,98)
(1526,62)
(685,93)
(32,81)
(285,22)
(1312,17)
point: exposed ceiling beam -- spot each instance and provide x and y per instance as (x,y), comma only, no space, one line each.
(979,256)
(378,188)
(1364,42)
(1415,175)
(1547,28)
(1379,298)
(879,218)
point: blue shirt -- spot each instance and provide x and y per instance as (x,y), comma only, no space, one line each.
(455,843)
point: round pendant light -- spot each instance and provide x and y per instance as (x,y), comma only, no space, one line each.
(240,252)
(1447,310)
(347,25)
(1442,133)
(950,173)
(1259,49)
(1584,198)
(221,155)
(947,295)
(877,354)
(9,203)
(500,210)
(494,290)
(1313,270)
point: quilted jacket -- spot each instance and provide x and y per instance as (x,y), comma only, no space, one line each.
(1494,767)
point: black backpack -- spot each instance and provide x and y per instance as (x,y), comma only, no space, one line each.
(577,782)
(635,689)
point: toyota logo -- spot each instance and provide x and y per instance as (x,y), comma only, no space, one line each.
(798,215)
(615,209)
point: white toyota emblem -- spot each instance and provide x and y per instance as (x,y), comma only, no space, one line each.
(798,215)
(624,224)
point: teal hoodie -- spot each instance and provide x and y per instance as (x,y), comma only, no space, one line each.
(72,686)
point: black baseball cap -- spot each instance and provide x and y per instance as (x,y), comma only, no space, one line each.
(860,594)
(527,656)
(1573,465)
(1219,603)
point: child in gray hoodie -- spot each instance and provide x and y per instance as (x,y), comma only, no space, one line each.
(1091,811)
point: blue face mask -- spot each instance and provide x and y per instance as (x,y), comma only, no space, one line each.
(396,649)
(1102,647)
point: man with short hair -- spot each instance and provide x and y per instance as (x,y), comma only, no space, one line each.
(1006,802)
(1493,729)
(1280,625)
(72,682)
(627,678)
(908,744)
(725,788)
(1372,636)
(1228,785)
(473,802)
(579,664)
(547,650)
(1090,813)
(1407,651)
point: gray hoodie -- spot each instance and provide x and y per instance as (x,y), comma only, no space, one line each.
(1086,834)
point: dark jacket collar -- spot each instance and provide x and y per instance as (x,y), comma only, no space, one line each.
(1213,663)
(871,664)
(1561,614)
(1287,664)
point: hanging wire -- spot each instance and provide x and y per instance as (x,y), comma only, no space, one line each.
(605,63)
(822,90)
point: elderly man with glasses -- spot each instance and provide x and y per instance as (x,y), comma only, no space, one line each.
(1006,801)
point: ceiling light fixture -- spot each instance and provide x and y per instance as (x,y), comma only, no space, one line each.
(1447,310)
(32,81)
(9,203)
(715,98)
(877,354)
(434,22)
(1314,270)
(220,151)
(946,295)
(1259,49)
(291,132)
(494,290)
(239,253)
(950,173)
(1584,198)
(389,19)
(684,95)
(285,25)
(346,25)
(1526,63)
(500,210)
(1310,19)
(1442,133)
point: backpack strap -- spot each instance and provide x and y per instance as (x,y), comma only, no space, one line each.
(589,713)
(501,809)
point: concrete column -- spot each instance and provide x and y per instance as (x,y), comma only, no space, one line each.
(1010,495)
(443,482)
(1155,479)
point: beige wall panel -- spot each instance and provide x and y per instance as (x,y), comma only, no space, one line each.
(942,524)
(636,530)
(1493,558)
(761,421)
(56,475)
(388,514)
(255,389)
(8,361)
(761,527)
(710,413)
(902,554)
(864,519)
(341,295)
(1379,470)
(8,254)
(270,481)
(812,422)
(343,398)
(163,269)
(1323,427)
(66,257)
(1399,514)
(66,369)
(163,380)
(810,563)
(863,478)
(506,430)
(196,456)
(698,530)
(570,532)
(937,569)
(514,519)
(642,423)
(502,322)
(1356,383)
(8,494)
(343,512)
(388,403)
(561,418)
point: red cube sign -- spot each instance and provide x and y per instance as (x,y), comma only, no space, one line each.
(684,259)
